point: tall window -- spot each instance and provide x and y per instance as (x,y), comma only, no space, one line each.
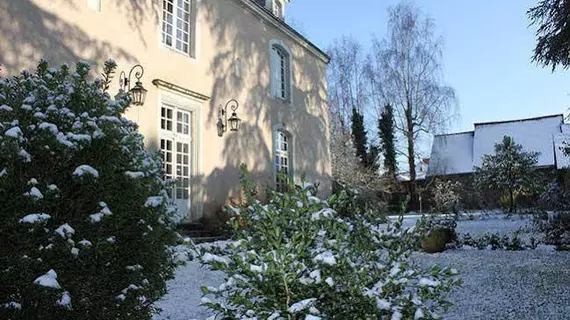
(175,144)
(282,160)
(177,24)
(280,73)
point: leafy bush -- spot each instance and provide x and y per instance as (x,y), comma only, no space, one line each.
(297,259)
(446,196)
(85,221)
(495,242)
(349,202)
(554,198)
(556,230)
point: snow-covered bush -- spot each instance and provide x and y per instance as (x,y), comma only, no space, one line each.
(350,201)
(84,220)
(557,230)
(446,196)
(297,259)
(554,198)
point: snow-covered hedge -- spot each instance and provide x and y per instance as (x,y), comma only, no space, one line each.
(295,258)
(84,216)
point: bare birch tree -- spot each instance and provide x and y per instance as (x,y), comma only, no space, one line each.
(346,81)
(405,71)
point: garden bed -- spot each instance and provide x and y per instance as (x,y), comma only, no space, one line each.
(530,284)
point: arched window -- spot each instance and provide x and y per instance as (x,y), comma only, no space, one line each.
(280,72)
(282,156)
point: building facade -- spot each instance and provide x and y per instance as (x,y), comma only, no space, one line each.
(197,56)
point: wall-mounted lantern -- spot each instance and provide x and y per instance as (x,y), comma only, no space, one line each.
(138,92)
(233,122)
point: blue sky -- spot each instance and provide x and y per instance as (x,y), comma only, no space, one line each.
(487,52)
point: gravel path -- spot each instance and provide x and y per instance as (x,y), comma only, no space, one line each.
(533,284)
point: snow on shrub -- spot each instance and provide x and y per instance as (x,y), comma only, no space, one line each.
(72,218)
(295,258)
(446,196)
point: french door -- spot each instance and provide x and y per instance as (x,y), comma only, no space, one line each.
(176,147)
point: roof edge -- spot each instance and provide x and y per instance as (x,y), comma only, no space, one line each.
(521,120)
(453,134)
(282,25)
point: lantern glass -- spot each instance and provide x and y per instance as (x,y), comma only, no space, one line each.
(138,94)
(234,122)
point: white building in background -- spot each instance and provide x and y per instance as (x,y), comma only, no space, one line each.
(460,153)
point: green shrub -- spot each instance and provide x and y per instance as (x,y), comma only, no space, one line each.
(495,242)
(84,220)
(298,259)
(348,202)
(556,230)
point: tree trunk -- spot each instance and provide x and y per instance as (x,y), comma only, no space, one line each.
(411,156)
(511,201)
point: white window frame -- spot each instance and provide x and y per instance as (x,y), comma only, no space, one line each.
(194,107)
(279,152)
(191,31)
(184,137)
(94,5)
(278,9)
(281,71)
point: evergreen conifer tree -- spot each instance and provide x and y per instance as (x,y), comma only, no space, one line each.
(359,135)
(387,138)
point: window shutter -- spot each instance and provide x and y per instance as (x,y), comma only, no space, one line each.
(275,78)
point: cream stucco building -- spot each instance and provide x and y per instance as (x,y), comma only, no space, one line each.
(197,55)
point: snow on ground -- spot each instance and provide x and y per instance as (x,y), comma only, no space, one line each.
(183,299)
(532,284)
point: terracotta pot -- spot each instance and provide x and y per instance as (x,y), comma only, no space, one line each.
(436,240)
